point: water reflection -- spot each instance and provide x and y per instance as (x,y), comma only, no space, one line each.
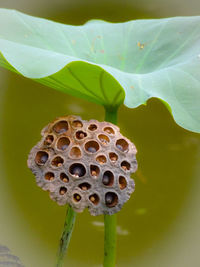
(120,231)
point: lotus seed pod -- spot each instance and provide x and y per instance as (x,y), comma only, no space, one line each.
(86,164)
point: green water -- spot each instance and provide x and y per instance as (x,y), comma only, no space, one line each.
(157,227)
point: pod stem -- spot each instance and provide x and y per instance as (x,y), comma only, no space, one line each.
(66,235)
(110,221)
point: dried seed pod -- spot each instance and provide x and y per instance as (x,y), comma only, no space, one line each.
(84,164)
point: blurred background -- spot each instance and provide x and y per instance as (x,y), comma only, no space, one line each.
(159,226)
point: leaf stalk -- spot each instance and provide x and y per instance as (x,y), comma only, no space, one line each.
(66,235)
(110,221)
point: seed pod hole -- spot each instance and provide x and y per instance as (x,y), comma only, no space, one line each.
(77,124)
(49,176)
(92,127)
(104,139)
(113,156)
(48,140)
(61,127)
(75,152)
(63,143)
(101,159)
(122,182)
(84,186)
(77,170)
(80,135)
(111,199)
(41,157)
(63,190)
(125,165)
(94,198)
(64,177)
(77,197)
(122,145)
(94,171)
(57,161)
(108,178)
(109,130)
(92,146)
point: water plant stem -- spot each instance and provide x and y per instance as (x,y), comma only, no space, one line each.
(66,235)
(110,221)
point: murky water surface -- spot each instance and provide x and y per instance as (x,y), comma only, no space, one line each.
(158,226)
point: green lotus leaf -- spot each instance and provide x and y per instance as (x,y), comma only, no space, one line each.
(110,63)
